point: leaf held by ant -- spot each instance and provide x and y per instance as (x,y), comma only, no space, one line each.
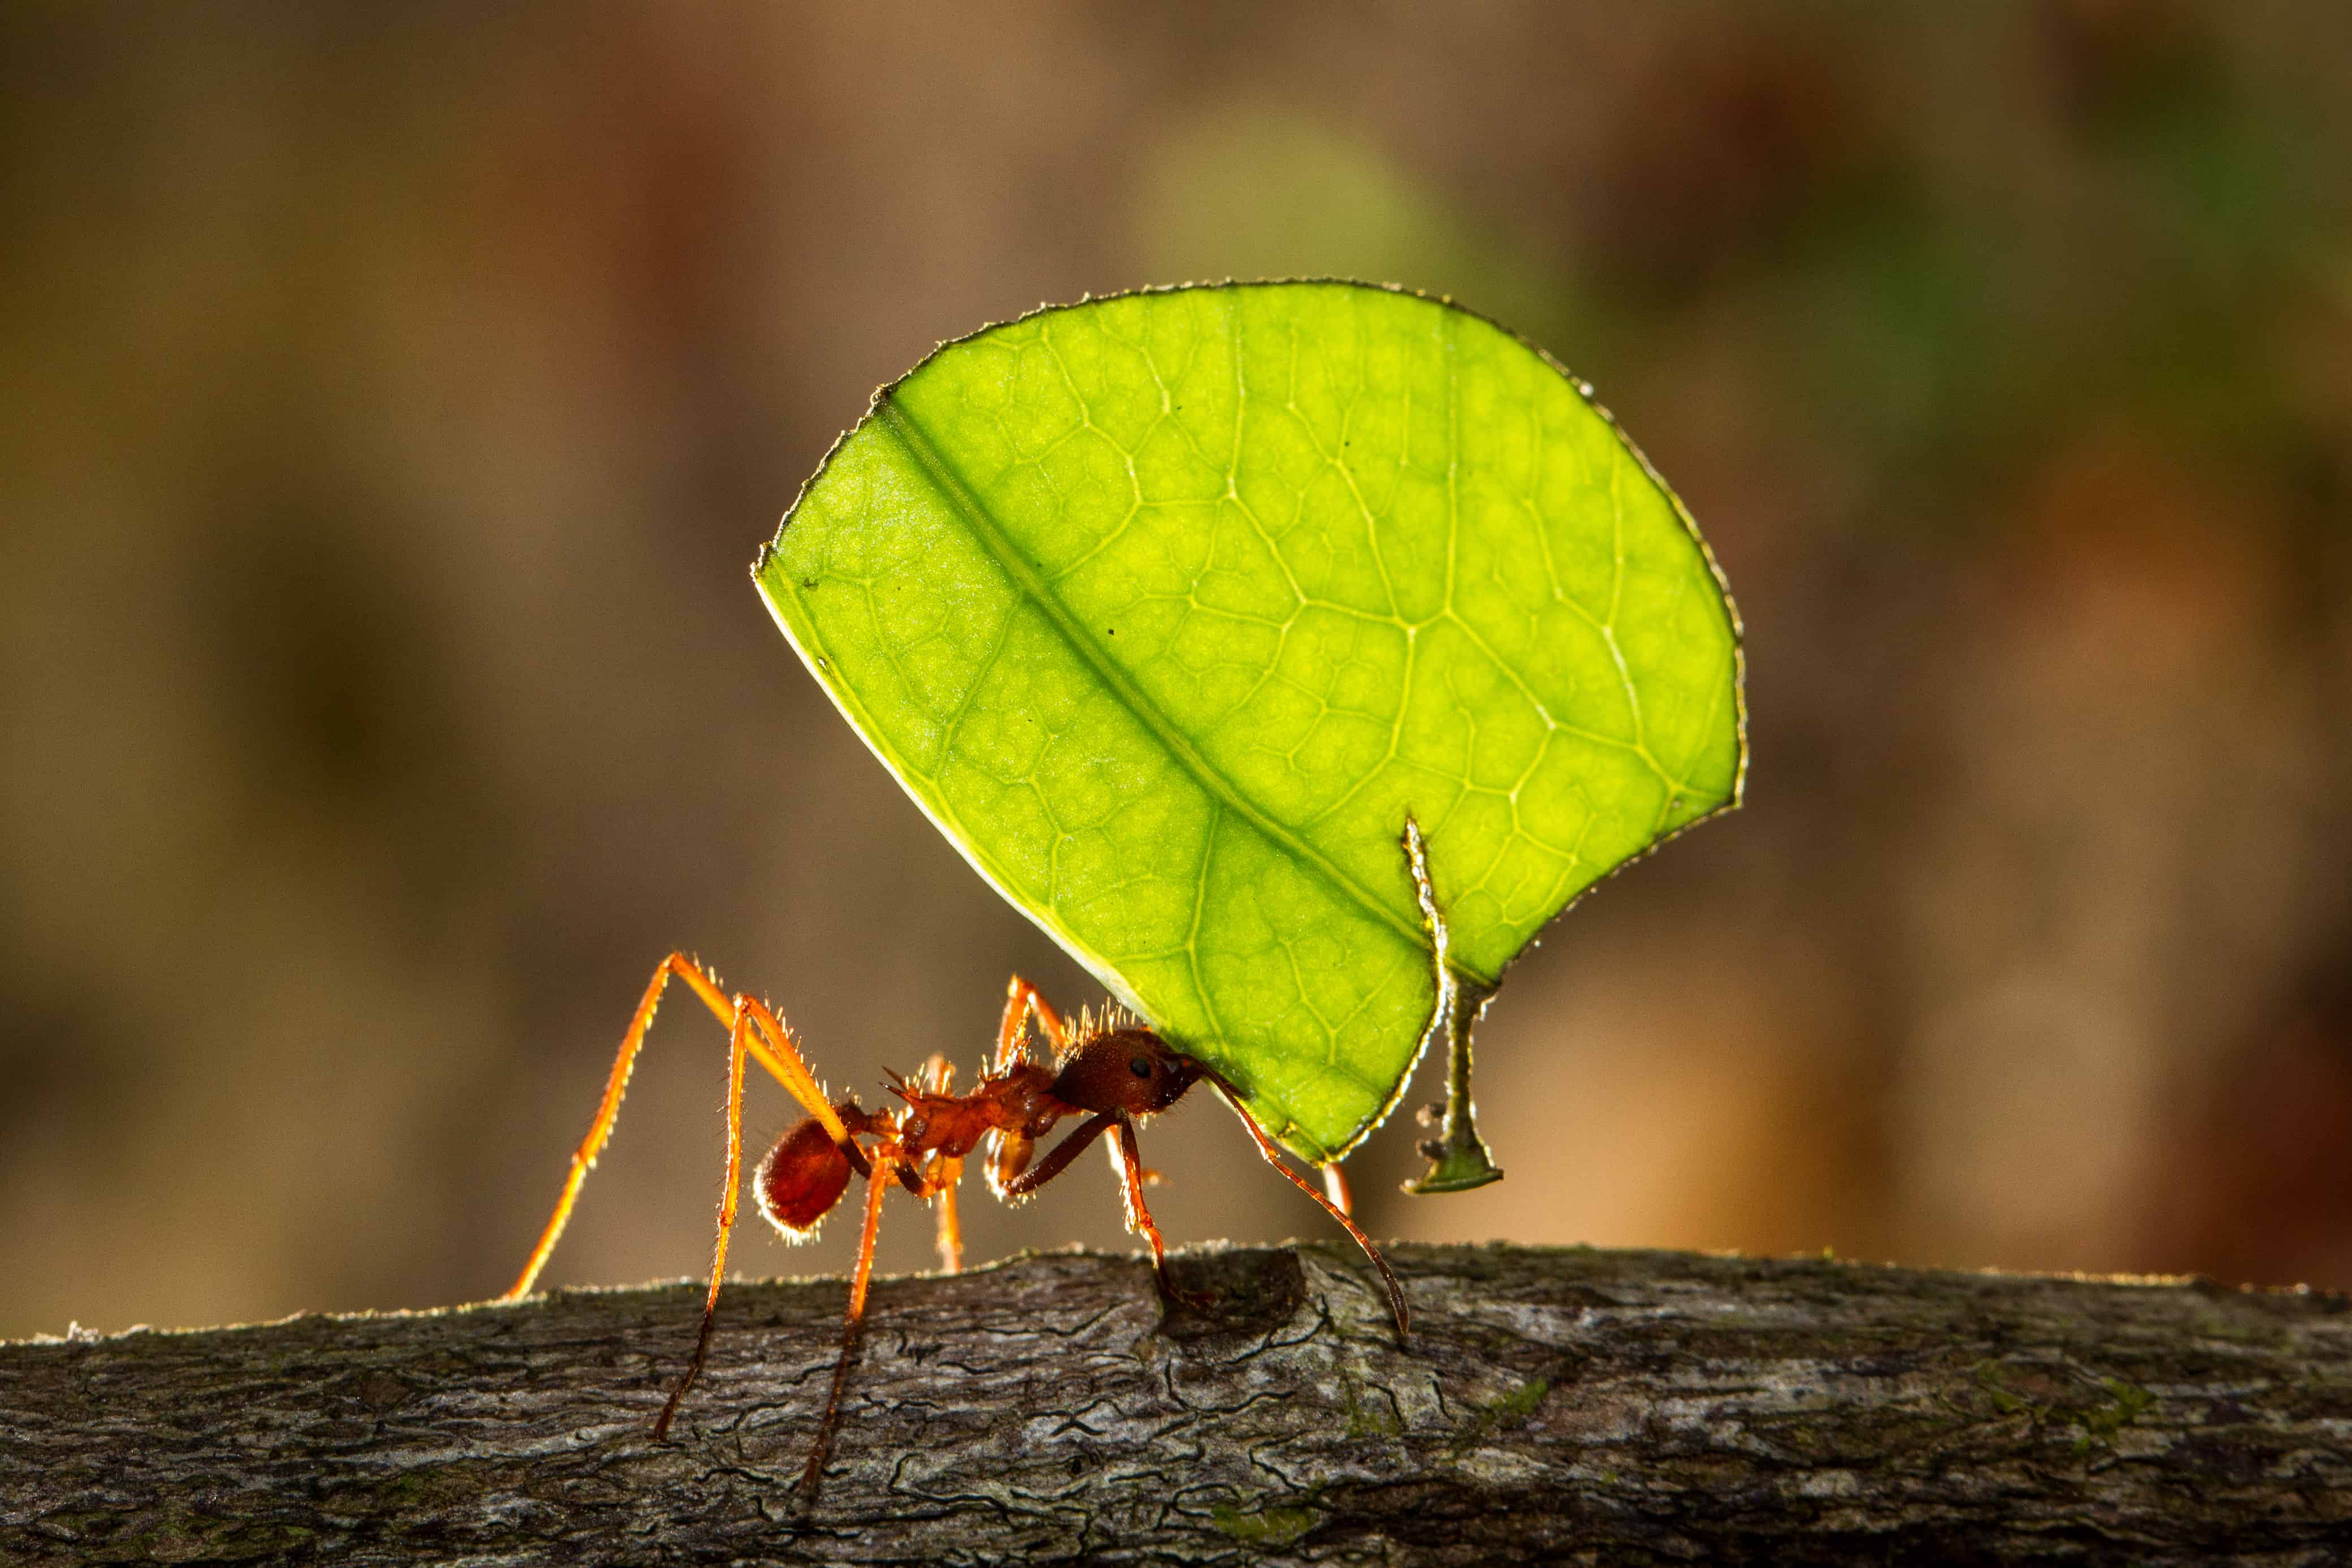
(1494,618)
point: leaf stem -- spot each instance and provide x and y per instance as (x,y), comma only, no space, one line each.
(1458,1157)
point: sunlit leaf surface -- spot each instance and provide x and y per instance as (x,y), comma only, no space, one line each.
(1168,607)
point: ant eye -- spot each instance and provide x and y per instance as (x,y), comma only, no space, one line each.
(1140,1067)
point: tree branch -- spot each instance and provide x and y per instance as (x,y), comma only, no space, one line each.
(1553,1406)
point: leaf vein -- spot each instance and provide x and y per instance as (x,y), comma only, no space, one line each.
(935,465)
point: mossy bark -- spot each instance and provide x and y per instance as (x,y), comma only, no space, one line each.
(1552,1405)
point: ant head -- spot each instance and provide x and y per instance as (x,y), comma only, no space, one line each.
(1128,1068)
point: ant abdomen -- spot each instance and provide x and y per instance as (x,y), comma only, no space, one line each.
(800,1180)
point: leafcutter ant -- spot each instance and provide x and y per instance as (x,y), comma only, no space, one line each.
(1111,1071)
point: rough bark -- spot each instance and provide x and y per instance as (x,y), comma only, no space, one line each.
(1552,1405)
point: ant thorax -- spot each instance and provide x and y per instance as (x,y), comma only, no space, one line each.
(1111,1064)
(1018,1100)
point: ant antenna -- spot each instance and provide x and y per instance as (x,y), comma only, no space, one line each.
(1273,1155)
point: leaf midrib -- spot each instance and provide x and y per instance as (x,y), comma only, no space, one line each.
(976,518)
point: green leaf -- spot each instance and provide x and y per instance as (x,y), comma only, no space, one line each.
(1168,607)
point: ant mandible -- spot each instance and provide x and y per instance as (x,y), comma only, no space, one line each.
(1113,1071)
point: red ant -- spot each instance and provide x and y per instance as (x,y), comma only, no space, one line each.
(1114,1072)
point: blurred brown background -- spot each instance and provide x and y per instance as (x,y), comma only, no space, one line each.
(395,395)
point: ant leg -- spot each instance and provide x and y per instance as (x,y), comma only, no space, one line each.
(851,1325)
(1021,997)
(782,1059)
(943,1204)
(938,1078)
(1266,1146)
(1335,1188)
(1130,1161)
(1012,1026)
(776,1054)
(736,1039)
(1058,1159)
(1008,1148)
